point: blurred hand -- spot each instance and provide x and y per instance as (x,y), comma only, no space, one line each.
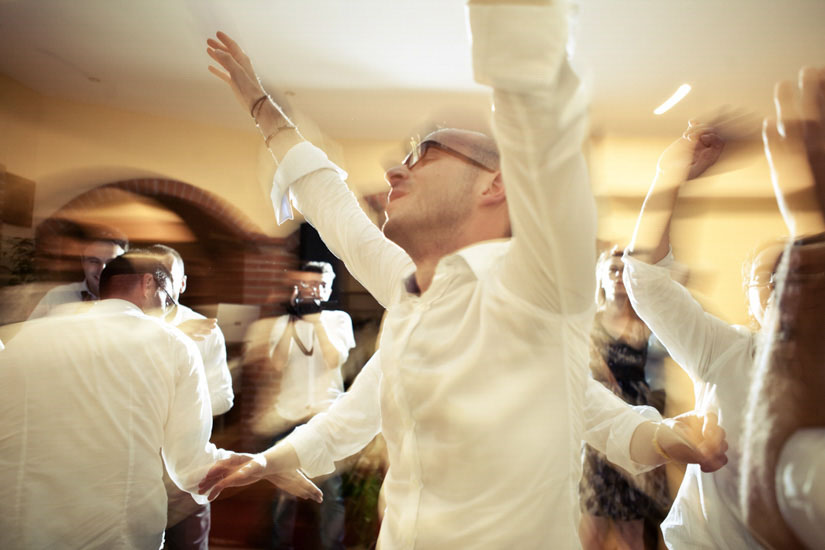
(235,473)
(198,329)
(689,156)
(795,148)
(238,71)
(694,438)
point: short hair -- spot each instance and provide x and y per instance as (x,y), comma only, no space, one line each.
(123,272)
(94,233)
(319,267)
(161,250)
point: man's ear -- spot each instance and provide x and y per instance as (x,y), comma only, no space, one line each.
(493,192)
(182,284)
(147,284)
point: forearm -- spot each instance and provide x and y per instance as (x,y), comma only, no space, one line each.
(332,359)
(651,236)
(280,354)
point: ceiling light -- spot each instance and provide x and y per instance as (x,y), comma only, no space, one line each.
(677,96)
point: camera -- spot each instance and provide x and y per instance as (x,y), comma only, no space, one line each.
(299,306)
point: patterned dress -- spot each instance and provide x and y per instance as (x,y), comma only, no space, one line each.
(605,490)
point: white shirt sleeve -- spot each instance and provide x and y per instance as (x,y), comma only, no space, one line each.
(540,123)
(218,377)
(348,426)
(800,485)
(338,326)
(609,424)
(186,450)
(322,196)
(695,339)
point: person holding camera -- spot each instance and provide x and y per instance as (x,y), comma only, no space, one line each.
(307,347)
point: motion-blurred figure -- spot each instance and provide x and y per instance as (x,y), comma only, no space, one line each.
(783,465)
(307,348)
(101,247)
(484,349)
(718,357)
(612,501)
(93,406)
(188,521)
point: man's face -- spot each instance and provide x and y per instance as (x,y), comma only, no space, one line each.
(610,278)
(94,259)
(432,189)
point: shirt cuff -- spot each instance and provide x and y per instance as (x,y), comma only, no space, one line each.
(518,47)
(618,444)
(303,159)
(311,450)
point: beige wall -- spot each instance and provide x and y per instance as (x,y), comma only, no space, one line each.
(68,147)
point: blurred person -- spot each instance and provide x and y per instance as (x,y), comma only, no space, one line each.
(783,463)
(189,522)
(611,500)
(307,347)
(718,357)
(93,407)
(100,247)
(482,359)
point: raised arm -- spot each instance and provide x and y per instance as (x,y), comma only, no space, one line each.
(686,158)
(315,184)
(786,394)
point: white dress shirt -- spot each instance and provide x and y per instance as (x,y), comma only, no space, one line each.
(719,358)
(308,385)
(800,485)
(92,406)
(213,353)
(482,383)
(61,295)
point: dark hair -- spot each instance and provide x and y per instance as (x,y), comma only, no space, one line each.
(93,233)
(323,268)
(123,272)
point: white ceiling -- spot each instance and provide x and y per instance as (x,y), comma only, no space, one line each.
(381,69)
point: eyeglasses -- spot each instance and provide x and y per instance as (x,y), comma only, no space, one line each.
(168,301)
(418,152)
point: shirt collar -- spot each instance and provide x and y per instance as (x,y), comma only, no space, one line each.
(116,305)
(479,257)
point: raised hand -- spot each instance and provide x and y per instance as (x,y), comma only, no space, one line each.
(694,438)
(694,152)
(237,69)
(795,148)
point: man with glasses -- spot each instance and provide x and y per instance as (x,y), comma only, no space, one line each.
(489,297)
(307,348)
(92,407)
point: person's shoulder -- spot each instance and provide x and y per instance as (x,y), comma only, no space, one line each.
(187,313)
(69,292)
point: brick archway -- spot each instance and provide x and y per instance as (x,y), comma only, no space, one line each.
(245,265)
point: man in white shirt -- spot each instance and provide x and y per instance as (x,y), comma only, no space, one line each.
(93,406)
(483,357)
(307,347)
(188,521)
(99,248)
